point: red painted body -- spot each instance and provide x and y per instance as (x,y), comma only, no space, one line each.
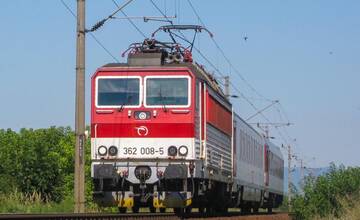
(218,116)
(159,129)
(167,123)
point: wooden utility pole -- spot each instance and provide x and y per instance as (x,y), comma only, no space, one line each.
(289,177)
(79,176)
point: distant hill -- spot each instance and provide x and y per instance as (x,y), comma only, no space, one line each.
(296,175)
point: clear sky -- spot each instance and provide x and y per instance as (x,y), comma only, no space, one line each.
(303,53)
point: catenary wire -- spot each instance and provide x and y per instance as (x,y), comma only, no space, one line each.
(199,52)
(242,95)
(100,23)
(222,75)
(241,77)
(206,59)
(226,58)
(91,34)
(130,21)
(161,12)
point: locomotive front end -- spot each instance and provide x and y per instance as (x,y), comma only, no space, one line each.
(142,135)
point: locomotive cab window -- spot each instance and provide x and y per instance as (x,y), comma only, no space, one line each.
(167,91)
(115,92)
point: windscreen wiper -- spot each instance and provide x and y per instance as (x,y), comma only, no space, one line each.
(121,107)
(162,101)
(124,103)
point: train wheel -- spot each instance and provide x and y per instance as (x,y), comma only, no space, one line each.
(179,212)
(201,210)
(245,210)
(255,210)
(162,210)
(222,210)
(152,209)
(188,210)
(135,209)
(209,211)
(270,203)
(122,210)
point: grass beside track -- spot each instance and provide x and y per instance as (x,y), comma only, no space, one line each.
(350,211)
(17,202)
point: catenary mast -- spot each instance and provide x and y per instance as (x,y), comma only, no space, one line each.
(79,177)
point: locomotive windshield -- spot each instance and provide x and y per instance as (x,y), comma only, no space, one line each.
(118,91)
(167,91)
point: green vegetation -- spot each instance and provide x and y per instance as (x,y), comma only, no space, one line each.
(17,202)
(37,166)
(350,210)
(36,170)
(330,196)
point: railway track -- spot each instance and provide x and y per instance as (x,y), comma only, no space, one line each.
(90,216)
(140,216)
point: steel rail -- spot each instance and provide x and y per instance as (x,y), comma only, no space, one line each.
(140,216)
(92,216)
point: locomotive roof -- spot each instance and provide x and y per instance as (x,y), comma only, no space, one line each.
(246,124)
(273,148)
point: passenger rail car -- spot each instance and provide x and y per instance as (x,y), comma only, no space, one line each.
(163,135)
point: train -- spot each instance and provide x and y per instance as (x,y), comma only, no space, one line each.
(164,135)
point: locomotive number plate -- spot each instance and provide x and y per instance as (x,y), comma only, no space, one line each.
(142,151)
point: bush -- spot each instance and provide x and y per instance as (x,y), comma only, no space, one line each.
(322,196)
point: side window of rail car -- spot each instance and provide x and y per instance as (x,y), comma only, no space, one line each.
(118,91)
(167,91)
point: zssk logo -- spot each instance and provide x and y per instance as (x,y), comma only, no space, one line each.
(142,130)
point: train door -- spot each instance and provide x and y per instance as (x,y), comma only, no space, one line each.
(267,164)
(202,88)
(234,149)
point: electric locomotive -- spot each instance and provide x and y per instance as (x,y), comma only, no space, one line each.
(164,135)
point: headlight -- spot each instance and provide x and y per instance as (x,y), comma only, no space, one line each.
(183,150)
(102,150)
(113,151)
(172,151)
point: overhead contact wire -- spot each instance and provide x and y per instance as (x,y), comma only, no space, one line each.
(91,34)
(213,66)
(130,21)
(226,58)
(239,74)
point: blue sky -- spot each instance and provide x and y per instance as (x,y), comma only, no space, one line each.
(303,53)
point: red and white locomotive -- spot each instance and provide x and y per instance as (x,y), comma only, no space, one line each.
(163,135)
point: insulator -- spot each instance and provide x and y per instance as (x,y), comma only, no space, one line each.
(177,58)
(97,25)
